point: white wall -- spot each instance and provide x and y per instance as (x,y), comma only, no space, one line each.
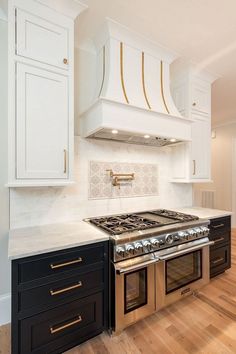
(4,193)
(222,147)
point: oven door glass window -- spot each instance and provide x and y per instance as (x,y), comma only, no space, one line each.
(183,270)
(135,289)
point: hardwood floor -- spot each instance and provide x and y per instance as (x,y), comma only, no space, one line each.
(205,323)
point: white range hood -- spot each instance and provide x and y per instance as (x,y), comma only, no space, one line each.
(133,102)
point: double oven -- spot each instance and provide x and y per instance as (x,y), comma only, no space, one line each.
(157,258)
(150,282)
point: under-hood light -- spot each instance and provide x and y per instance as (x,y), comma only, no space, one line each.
(114,131)
(146,136)
(173,140)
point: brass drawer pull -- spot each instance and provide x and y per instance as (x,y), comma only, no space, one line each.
(194,104)
(194,167)
(65,160)
(218,226)
(65,61)
(58,329)
(219,239)
(217,260)
(56,292)
(55,266)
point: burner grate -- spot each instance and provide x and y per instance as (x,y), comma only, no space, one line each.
(117,225)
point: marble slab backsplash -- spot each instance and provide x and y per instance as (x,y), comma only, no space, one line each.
(145,182)
(47,205)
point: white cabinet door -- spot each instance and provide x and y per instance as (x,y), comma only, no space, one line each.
(42,118)
(41,40)
(200,149)
(201,97)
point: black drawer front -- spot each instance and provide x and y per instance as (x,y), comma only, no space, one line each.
(219,260)
(222,237)
(220,226)
(52,293)
(62,327)
(59,263)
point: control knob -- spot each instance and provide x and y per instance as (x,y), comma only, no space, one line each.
(183,235)
(129,248)
(169,239)
(198,232)
(120,251)
(147,244)
(205,231)
(138,246)
(155,242)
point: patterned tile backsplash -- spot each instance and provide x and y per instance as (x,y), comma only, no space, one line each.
(145,181)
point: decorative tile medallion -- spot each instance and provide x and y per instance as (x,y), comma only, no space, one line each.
(100,183)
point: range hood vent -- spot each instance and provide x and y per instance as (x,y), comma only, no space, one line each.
(124,137)
(133,92)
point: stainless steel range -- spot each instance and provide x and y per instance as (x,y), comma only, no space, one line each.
(157,257)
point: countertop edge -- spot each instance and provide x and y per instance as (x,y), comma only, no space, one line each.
(13,257)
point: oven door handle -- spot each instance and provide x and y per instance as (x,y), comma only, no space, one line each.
(186,250)
(123,270)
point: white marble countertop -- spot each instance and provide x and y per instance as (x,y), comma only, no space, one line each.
(31,241)
(204,213)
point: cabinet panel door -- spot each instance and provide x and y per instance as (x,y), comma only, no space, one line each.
(41,40)
(201,149)
(42,121)
(201,97)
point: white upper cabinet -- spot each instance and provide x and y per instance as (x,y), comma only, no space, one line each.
(200,149)
(41,40)
(201,97)
(42,123)
(192,95)
(41,92)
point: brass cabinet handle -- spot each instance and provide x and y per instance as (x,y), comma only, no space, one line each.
(219,239)
(65,160)
(55,266)
(194,167)
(58,329)
(64,290)
(217,260)
(218,226)
(194,104)
(65,61)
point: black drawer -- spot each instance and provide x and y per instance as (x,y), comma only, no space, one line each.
(63,327)
(53,293)
(223,237)
(220,226)
(59,262)
(220,260)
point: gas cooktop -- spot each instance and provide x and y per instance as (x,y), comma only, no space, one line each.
(123,223)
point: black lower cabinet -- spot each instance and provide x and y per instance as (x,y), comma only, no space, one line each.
(56,312)
(57,329)
(220,252)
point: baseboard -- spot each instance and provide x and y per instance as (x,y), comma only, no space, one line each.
(5,309)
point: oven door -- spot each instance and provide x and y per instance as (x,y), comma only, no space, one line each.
(181,273)
(134,290)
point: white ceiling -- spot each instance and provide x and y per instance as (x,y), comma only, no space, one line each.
(202,31)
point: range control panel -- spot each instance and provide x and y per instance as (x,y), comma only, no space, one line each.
(147,245)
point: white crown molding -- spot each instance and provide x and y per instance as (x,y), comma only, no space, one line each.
(219,125)
(69,8)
